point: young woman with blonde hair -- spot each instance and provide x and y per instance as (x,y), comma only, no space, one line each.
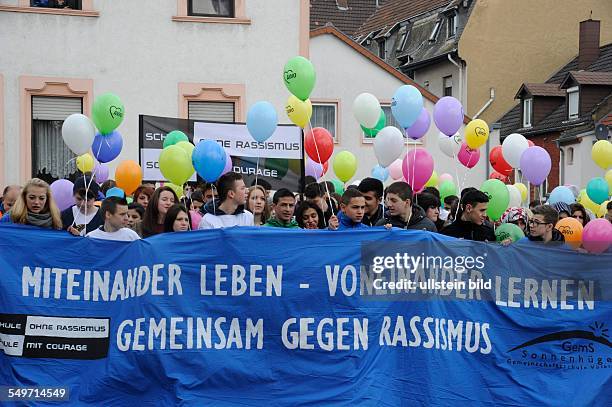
(35,206)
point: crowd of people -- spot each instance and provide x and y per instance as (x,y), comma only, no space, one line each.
(229,202)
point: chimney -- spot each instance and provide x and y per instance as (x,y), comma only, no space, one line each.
(588,47)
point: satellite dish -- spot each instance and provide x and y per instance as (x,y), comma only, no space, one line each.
(601,132)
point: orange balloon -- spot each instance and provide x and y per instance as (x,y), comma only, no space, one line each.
(572,231)
(128,176)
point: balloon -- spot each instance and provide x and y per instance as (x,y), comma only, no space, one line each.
(395,170)
(586,201)
(407,107)
(209,159)
(467,156)
(175,165)
(380,173)
(444,177)
(535,164)
(78,133)
(338,186)
(450,145)
(107,112)
(447,188)
(603,209)
(128,176)
(298,111)
(314,169)
(597,236)
(512,149)
(448,115)
(319,144)
(106,147)
(433,180)
(514,196)
(530,143)
(476,133)
(382,121)
(61,190)
(100,172)
(499,197)
(523,190)
(417,168)
(561,194)
(228,163)
(118,192)
(85,162)
(366,109)
(196,217)
(178,189)
(420,126)
(261,120)
(388,145)
(608,178)
(497,175)
(597,190)
(299,77)
(602,153)
(345,165)
(188,148)
(278,165)
(571,229)
(508,231)
(499,164)
(174,137)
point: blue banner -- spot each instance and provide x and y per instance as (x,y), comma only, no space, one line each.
(252,316)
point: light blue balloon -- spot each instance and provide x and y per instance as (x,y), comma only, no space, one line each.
(380,173)
(406,105)
(597,190)
(115,191)
(208,159)
(561,194)
(261,120)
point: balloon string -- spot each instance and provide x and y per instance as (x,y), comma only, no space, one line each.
(455,159)
(319,157)
(256,170)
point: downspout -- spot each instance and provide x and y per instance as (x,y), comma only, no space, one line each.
(452,61)
(487,104)
(561,164)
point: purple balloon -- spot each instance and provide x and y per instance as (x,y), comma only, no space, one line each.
(228,163)
(535,164)
(100,171)
(62,193)
(420,127)
(448,115)
(313,169)
(106,147)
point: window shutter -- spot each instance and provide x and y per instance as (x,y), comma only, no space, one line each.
(55,108)
(213,111)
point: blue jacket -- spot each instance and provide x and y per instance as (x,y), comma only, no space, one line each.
(344,223)
(6,218)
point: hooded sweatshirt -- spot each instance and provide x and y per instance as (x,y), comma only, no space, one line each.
(275,223)
(215,218)
(470,231)
(418,221)
(346,223)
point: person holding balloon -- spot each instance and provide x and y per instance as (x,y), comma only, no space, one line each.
(35,206)
(229,210)
(401,213)
(470,221)
(84,216)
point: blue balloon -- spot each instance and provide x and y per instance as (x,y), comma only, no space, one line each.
(561,194)
(261,120)
(118,192)
(380,173)
(598,190)
(407,105)
(106,147)
(208,159)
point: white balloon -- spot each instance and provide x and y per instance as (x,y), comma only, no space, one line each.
(78,133)
(388,145)
(515,196)
(513,147)
(450,145)
(366,109)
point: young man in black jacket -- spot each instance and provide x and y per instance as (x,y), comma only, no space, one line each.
(401,213)
(372,190)
(83,217)
(470,222)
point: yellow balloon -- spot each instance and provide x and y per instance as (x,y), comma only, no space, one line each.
(585,201)
(299,111)
(188,147)
(609,179)
(523,190)
(178,190)
(433,180)
(345,165)
(476,133)
(603,210)
(602,153)
(85,162)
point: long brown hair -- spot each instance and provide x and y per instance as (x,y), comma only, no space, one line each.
(149,222)
(19,211)
(266,210)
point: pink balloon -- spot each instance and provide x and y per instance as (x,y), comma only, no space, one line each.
(196,217)
(597,235)
(444,177)
(395,170)
(417,167)
(467,156)
(228,164)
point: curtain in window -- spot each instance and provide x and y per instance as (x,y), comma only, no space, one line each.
(218,7)
(390,119)
(50,156)
(324,116)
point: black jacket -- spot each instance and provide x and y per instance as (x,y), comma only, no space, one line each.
(557,237)
(94,223)
(372,221)
(418,221)
(470,231)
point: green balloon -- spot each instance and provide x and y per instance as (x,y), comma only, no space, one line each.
(499,197)
(338,186)
(508,231)
(299,77)
(175,165)
(280,165)
(107,112)
(447,188)
(382,122)
(174,137)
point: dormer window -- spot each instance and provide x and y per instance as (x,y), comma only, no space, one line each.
(527,112)
(452,25)
(382,49)
(434,32)
(402,36)
(572,103)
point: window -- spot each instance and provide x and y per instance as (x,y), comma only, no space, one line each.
(452,25)
(211,8)
(572,103)
(402,37)
(570,156)
(382,51)
(434,32)
(212,111)
(51,158)
(527,111)
(325,115)
(69,4)
(543,189)
(447,84)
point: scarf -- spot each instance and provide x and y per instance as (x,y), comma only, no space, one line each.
(42,220)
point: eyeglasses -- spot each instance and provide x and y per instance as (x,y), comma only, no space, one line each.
(537,222)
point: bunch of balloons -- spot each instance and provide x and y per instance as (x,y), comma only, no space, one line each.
(299,77)
(175,160)
(534,161)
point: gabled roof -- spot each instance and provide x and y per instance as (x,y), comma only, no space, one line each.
(347,21)
(541,89)
(588,78)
